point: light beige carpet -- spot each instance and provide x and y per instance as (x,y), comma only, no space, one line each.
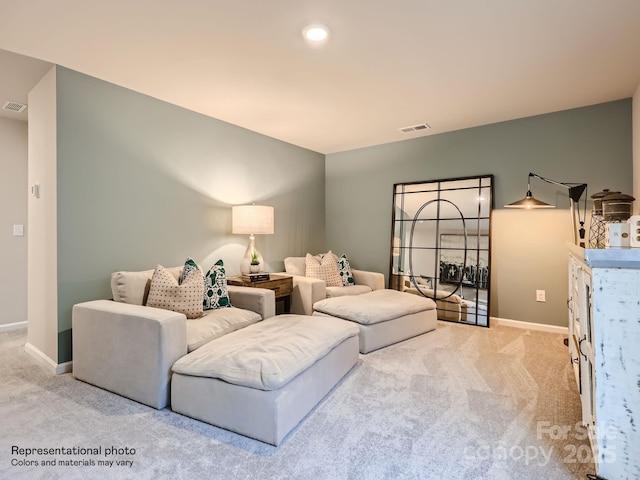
(458,403)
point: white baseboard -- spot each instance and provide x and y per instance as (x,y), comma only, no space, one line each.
(543,327)
(62,368)
(12,326)
(50,365)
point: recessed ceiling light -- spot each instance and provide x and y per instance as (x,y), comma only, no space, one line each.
(315,33)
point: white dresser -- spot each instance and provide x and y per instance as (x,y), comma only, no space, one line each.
(604,344)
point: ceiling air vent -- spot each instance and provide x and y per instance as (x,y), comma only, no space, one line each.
(415,128)
(14,106)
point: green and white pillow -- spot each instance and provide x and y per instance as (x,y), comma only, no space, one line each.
(216,293)
(344,269)
(189,266)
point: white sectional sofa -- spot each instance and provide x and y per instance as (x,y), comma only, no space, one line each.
(307,290)
(228,368)
(128,348)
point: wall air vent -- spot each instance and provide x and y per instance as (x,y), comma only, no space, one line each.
(415,128)
(14,106)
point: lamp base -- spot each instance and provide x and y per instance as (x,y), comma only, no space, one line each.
(245,264)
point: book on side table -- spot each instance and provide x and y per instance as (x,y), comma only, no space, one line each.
(256,277)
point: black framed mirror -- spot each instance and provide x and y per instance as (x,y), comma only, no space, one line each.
(441,245)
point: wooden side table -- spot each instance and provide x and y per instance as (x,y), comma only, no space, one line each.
(282,285)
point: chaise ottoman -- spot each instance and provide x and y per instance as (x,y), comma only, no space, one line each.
(384,317)
(262,380)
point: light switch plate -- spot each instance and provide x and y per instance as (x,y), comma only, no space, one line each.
(18,230)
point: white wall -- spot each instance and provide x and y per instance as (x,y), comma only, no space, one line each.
(13,211)
(42,241)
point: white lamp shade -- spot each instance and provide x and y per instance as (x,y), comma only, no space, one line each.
(252,219)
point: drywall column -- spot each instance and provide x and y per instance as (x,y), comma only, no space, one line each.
(636,149)
(42,255)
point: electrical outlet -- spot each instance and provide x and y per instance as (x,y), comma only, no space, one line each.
(540,296)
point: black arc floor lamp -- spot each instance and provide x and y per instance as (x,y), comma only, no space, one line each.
(575,192)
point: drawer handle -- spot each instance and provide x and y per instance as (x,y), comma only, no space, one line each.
(580,347)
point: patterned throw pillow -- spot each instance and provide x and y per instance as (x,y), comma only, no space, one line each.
(344,269)
(189,266)
(165,292)
(216,294)
(324,267)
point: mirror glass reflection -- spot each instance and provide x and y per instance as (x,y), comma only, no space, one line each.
(441,238)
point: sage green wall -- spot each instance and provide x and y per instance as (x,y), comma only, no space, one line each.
(591,144)
(142,182)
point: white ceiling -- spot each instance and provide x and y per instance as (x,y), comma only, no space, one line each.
(389,63)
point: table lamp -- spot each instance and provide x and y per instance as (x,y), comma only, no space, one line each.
(252,220)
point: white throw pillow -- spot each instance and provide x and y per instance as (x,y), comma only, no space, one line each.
(165,292)
(324,267)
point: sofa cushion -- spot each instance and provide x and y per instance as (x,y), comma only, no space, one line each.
(133,287)
(375,307)
(295,266)
(269,354)
(323,267)
(165,292)
(344,291)
(216,323)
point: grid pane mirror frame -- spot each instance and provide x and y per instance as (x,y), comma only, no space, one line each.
(441,245)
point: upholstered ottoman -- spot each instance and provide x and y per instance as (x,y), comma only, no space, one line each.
(262,380)
(383,316)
